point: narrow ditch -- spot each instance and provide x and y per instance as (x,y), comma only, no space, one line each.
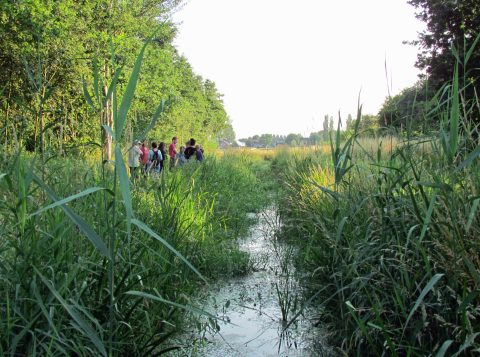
(253,310)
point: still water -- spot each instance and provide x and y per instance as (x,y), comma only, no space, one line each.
(254,309)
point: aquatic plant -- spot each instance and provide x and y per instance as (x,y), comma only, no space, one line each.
(390,240)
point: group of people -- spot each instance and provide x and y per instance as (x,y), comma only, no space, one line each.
(154,160)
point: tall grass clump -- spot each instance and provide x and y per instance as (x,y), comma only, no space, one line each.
(390,241)
(90,265)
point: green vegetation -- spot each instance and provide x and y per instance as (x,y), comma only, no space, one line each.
(93,266)
(368,126)
(449,41)
(384,229)
(388,240)
(50,47)
(58,277)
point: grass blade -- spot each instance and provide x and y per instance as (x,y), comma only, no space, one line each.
(87,95)
(68,199)
(472,214)
(86,328)
(475,154)
(422,295)
(454,117)
(109,130)
(146,229)
(129,92)
(428,217)
(441,352)
(124,187)
(468,342)
(162,300)
(79,221)
(154,120)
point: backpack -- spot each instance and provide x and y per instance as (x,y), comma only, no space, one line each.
(189,151)
(155,159)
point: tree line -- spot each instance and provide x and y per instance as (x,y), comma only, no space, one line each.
(54,52)
(449,43)
(368,126)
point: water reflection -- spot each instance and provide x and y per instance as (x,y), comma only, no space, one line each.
(253,308)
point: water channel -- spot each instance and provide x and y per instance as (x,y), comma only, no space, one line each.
(252,309)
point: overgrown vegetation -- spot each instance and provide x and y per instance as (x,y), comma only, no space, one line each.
(55,271)
(49,47)
(390,239)
(93,266)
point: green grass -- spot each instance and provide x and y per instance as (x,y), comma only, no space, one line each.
(91,264)
(55,276)
(390,241)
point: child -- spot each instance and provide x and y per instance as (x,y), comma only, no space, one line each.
(180,157)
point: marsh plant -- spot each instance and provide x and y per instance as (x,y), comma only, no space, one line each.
(286,284)
(391,241)
(93,266)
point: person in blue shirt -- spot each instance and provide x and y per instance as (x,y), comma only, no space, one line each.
(180,157)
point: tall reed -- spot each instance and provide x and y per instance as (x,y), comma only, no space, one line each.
(90,265)
(391,240)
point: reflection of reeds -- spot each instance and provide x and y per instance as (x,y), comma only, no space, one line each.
(286,285)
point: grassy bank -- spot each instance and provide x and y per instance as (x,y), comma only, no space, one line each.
(389,239)
(83,273)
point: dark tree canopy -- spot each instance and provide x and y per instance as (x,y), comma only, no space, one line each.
(449,23)
(451,38)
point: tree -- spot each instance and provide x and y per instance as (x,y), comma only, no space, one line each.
(48,47)
(326,125)
(227,133)
(408,109)
(293,139)
(315,138)
(449,23)
(266,140)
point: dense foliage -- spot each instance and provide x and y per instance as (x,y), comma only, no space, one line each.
(388,237)
(61,294)
(49,48)
(450,24)
(449,41)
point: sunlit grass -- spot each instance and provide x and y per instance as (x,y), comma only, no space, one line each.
(388,237)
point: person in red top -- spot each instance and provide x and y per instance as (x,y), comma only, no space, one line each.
(144,157)
(172,152)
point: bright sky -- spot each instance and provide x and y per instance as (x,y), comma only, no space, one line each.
(282,65)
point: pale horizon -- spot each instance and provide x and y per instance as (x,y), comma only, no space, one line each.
(282,68)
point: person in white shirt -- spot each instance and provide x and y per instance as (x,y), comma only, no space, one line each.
(134,158)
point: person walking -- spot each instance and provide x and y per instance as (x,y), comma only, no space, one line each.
(161,148)
(144,157)
(134,158)
(172,152)
(154,159)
